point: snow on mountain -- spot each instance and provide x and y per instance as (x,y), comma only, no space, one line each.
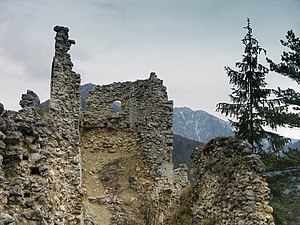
(199,125)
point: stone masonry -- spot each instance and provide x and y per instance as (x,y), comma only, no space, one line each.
(145,114)
(65,112)
(35,172)
(65,100)
(112,164)
(229,187)
(40,175)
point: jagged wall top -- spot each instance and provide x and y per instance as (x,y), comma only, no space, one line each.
(147,113)
(65,100)
(63,43)
(65,111)
(145,110)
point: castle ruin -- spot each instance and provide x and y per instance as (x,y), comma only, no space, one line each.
(112,164)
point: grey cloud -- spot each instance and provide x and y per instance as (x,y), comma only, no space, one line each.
(26,35)
(27,47)
(109,9)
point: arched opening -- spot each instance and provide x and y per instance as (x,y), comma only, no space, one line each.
(117,106)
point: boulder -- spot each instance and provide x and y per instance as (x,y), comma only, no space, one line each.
(30,99)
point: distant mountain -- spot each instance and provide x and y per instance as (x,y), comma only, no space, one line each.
(84,92)
(182,150)
(199,125)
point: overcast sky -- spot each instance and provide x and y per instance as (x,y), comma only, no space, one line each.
(186,42)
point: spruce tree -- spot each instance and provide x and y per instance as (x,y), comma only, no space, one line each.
(289,67)
(284,170)
(290,61)
(251,106)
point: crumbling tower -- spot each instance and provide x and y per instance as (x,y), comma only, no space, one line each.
(65,111)
(65,100)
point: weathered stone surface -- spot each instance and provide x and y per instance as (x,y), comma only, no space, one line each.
(145,111)
(2,145)
(13,137)
(61,28)
(65,111)
(36,150)
(2,124)
(229,186)
(16,190)
(6,218)
(2,135)
(30,99)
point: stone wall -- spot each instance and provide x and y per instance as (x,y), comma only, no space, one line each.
(34,169)
(40,173)
(145,110)
(65,100)
(140,109)
(229,187)
(65,112)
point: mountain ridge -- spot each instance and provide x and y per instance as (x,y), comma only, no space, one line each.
(199,125)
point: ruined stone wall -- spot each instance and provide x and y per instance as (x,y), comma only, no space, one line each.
(34,169)
(40,176)
(229,187)
(65,100)
(40,158)
(146,116)
(65,112)
(145,110)
(118,170)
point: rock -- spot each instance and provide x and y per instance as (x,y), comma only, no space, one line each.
(41,198)
(60,28)
(30,99)
(1,108)
(75,160)
(2,124)
(112,150)
(153,76)
(2,145)
(72,42)
(16,190)
(45,153)
(25,128)
(6,218)
(2,179)
(43,169)
(2,135)
(36,157)
(29,214)
(27,97)
(13,137)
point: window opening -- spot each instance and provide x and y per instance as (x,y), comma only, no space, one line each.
(117,106)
